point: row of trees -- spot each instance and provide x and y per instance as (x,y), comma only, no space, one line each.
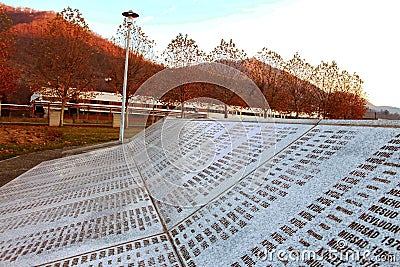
(291,87)
(297,86)
(67,61)
(63,58)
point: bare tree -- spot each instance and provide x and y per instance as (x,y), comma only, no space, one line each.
(266,72)
(141,58)
(325,77)
(140,43)
(298,87)
(181,52)
(228,54)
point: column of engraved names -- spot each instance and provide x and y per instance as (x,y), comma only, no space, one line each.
(377,226)
(158,169)
(74,191)
(332,143)
(323,147)
(237,216)
(118,223)
(149,251)
(231,213)
(98,207)
(227,167)
(337,206)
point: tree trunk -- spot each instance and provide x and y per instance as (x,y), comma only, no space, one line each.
(182,109)
(63,103)
(225,111)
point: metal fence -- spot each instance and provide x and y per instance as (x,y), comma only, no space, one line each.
(73,114)
(84,114)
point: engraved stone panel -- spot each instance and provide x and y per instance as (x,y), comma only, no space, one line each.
(214,193)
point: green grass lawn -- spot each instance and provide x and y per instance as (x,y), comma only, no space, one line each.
(22,139)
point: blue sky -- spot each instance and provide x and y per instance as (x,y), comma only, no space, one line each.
(361,35)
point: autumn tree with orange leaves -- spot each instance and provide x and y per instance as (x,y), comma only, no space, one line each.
(348,100)
(340,94)
(7,73)
(63,53)
(296,88)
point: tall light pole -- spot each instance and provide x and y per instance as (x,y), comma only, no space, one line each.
(130,15)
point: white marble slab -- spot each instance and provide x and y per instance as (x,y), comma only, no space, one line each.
(213,193)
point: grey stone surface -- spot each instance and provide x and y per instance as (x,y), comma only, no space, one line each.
(213,193)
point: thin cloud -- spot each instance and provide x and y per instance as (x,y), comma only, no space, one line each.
(246,10)
(169,10)
(145,19)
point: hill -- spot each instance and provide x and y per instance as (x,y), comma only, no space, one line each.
(27,24)
(26,15)
(290,92)
(382,112)
(392,110)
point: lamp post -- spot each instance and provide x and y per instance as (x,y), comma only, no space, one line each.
(130,15)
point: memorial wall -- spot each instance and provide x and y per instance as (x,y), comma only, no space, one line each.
(214,193)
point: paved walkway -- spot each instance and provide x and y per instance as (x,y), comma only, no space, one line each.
(14,167)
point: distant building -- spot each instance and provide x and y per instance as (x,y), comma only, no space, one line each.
(105,102)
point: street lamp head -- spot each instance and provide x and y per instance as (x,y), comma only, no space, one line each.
(130,14)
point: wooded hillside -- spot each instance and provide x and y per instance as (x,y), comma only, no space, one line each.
(58,50)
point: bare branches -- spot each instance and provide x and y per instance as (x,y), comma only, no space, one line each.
(182,51)
(141,57)
(140,43)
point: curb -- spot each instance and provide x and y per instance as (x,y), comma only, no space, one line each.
(4,160)
(89,148)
